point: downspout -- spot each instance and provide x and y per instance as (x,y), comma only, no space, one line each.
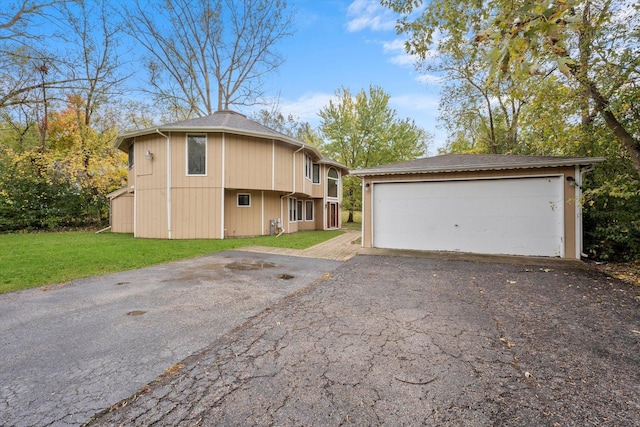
(364,188)
(222,189)
(580,177)
(135,194)
(168,182)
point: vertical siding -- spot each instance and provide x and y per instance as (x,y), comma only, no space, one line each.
(264,166)
(570,217)
(196,211)
(248,162)
(150,173)
(151,214)
(283,167)
(299,172)
(150,187)
(248,221)
(319,214)
(317,190)
(271,209)
(243,221)
(122,214)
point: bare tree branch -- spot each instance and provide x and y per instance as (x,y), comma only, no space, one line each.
(209,49)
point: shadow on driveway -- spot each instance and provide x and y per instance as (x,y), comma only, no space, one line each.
(412,341)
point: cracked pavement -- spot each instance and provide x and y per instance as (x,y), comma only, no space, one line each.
(412,341)
(71,350)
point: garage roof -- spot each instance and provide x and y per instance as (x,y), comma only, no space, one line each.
(475,162)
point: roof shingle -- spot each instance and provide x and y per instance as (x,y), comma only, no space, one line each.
(474,162)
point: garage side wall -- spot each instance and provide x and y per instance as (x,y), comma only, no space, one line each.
(570,212)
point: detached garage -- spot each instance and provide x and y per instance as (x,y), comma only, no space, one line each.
(491,204)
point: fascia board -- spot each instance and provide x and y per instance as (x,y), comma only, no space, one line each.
(583,161)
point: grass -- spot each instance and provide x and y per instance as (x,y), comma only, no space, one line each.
(31,260)
(357,221)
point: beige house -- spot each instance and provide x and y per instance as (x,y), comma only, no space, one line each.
(221,176)
(490,204)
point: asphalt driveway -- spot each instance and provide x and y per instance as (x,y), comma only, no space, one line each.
(413,341)
(69,351)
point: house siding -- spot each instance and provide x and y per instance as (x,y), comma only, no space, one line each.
(248,162)
(150,186)
(245,220)
(151,213)
(196,213)
(283,167)
(165,202)
(569,195)
(121,220)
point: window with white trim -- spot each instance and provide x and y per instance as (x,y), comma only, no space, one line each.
(292,209)
(131,159)
(244,200)
(332,183)
(308,210)
(196,154)
(316,173)
(299,210)
(308,167)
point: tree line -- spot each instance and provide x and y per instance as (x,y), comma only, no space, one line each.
(536,77)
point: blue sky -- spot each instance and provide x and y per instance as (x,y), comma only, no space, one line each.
(351,43)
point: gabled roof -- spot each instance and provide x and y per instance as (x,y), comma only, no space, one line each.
(475,162)
(229,122)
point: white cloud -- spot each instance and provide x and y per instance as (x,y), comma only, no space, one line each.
(369,14)
(306,107)
(399,55)
(429,79)
(416,102)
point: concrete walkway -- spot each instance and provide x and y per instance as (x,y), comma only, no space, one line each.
(341,248)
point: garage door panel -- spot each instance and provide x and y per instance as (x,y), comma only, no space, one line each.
(521,216)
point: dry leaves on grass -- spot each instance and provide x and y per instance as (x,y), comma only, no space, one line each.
(627,272)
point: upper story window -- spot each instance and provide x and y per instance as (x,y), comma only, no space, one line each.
(196,154)
(316,173)
(332,183)
(308,166)
(131,156)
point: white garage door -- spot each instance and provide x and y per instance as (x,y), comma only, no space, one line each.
(517,216)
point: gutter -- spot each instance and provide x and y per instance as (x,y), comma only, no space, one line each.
(472,168)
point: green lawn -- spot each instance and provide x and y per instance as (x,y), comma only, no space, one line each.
(30,260)
(357,221)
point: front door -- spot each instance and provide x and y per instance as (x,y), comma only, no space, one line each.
(333,215)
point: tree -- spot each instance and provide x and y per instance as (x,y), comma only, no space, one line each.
(291,126)
(363,131)
(593,44)
(27,67)
(209,54)
(95,30)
